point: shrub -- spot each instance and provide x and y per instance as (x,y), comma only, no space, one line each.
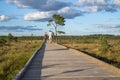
(2,41)
(104,46)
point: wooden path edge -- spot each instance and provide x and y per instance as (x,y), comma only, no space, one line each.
(22,71)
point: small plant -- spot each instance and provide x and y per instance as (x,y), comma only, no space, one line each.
(104,46)
(2,42)
(15,39)
(10,38)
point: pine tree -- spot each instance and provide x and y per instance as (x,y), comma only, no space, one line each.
(55,22)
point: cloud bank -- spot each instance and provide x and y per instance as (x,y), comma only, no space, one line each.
(38,16)
(98,5)
(41,5)
(67,12)
(45,8)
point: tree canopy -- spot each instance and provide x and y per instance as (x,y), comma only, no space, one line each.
(57,20)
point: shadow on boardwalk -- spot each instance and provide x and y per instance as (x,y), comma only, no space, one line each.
(60,63)
(33,71)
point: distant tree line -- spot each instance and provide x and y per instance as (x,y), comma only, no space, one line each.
(6,40)
(94,36)
(29,37)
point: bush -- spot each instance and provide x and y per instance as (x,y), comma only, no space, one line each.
(2,41)
(104,46)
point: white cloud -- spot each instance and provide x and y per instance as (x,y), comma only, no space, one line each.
(98,5)
(67,9)
(27,3)
(117,2)
(17,3)
(69,12)
(90,2)
(93,9)
(5,18)
(41,5)
(64,10)
(36,16)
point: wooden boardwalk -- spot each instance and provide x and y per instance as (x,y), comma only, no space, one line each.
(60,63)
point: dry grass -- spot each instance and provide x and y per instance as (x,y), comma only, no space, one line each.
(92,48)
(14,57)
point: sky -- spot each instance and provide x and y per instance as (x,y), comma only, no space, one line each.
(83,17)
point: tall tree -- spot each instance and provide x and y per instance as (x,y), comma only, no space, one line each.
(56,21)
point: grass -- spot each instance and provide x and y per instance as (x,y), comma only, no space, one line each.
(14,57)
(91,46)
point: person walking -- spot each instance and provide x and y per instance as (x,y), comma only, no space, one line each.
(45,36)
(50,36)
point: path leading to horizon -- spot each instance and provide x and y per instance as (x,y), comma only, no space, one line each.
(56,62)
(60,63)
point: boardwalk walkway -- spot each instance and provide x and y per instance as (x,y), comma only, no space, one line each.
(59,63)
(55,62)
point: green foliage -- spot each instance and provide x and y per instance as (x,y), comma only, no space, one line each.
(15,39)
(2,41)
(13,60)
(55,22)
(85,40)
(10,38)
(29,38)
(61,32)
(59,20)
(104,46)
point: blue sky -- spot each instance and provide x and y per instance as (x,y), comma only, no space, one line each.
(83,17)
